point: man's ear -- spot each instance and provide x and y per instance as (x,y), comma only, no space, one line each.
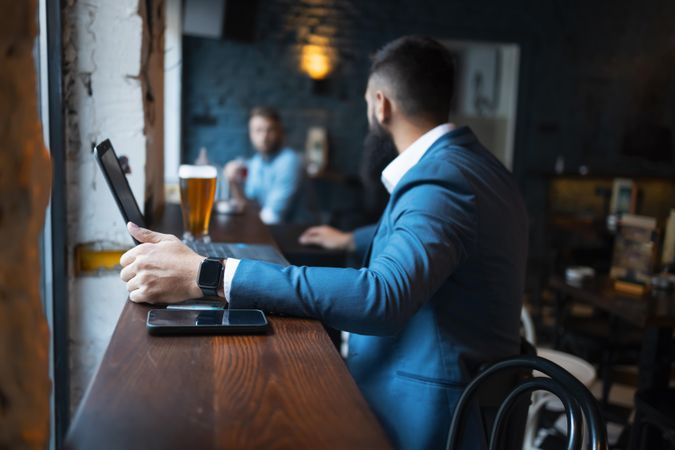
(383,107)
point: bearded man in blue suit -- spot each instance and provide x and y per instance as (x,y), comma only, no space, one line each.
(439,293)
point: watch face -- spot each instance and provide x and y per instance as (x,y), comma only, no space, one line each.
(210,273)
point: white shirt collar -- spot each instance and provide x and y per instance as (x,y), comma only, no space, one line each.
(397,169)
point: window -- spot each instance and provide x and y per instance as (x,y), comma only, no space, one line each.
(53,242)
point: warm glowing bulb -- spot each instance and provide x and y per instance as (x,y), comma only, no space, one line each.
(315,61)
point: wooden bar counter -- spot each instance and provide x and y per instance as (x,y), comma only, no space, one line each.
(288,389)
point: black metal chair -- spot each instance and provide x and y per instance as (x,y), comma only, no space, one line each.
(654,408)
(603,339)
(578,401)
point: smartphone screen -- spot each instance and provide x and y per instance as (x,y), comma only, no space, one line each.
(231,317)
(171,321)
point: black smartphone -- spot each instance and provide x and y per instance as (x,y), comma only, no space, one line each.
(223,321)
(198,304)
(118,184)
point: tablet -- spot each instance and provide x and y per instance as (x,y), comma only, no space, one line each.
(118,184)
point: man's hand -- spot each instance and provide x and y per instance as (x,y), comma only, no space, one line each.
(327,237)
(161,269)
(235,171)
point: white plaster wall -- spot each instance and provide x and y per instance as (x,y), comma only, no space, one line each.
(105,100)
(173,72)
(100,302)
(103,91)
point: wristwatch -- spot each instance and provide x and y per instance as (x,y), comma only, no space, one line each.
(210,276)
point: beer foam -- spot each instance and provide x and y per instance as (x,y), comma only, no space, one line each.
(187,171)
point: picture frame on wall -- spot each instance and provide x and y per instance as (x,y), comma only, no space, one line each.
(668,254)
(624,197)
(634,250)
(316,151)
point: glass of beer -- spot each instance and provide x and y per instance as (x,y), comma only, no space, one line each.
(197,191)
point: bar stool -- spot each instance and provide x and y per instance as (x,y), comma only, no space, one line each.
(581,369)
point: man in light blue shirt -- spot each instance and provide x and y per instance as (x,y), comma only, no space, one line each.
(274,176)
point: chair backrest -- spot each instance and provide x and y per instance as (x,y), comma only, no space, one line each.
(578,401)
(489,399)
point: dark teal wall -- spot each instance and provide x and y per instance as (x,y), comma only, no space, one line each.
(589,69)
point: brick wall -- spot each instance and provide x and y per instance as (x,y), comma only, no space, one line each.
(588,70)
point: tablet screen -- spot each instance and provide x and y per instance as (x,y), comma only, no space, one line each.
(118,184)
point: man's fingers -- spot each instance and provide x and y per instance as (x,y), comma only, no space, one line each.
(308,239)
(309,234)
(141,295)
(127,258)
(144,235)
(127,272)
(136,296)
(132,254)
(133,284)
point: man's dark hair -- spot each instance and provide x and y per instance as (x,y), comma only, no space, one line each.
(421,73)
(267,112)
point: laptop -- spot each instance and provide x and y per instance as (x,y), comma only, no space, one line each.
(126,202)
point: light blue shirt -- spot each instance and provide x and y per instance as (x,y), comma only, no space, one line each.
(276,182)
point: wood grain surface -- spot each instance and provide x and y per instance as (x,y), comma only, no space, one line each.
(286,389)
(650,309)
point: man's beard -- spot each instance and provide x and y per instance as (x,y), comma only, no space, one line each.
(376,128)
(378,151)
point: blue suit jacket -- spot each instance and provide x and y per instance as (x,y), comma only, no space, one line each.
(439,295)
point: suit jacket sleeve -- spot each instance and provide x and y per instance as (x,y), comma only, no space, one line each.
(362,238)
(432,220)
